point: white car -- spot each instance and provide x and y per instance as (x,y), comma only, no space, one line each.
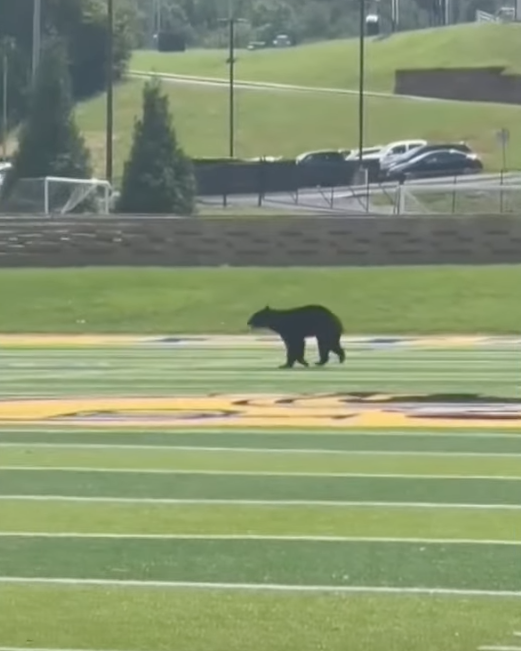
(368,153)
(396,149)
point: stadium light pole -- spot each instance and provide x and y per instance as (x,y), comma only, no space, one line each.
(361,81)
(110,92)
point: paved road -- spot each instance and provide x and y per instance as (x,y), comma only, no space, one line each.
(272,86)
(355,199)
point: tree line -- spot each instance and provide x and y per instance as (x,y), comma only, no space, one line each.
(201,21)
(83,26)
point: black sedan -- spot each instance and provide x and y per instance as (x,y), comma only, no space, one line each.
(449,162)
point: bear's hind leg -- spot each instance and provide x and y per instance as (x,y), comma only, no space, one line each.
(339,351)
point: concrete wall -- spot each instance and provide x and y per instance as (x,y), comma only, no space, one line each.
(468,84)
(264,241)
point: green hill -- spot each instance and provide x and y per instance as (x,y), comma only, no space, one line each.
(334,64)
(279,123)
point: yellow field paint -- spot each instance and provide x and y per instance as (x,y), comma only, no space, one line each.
(321,411)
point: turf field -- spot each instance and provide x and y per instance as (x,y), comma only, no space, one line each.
(187,494)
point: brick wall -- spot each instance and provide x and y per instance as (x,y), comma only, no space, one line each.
(468,84)
(264,241)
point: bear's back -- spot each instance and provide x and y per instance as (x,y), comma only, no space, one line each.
(307,320)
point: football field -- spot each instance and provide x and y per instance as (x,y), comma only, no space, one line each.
(185,494)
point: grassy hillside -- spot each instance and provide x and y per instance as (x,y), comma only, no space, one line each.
(289,123)
(335,63)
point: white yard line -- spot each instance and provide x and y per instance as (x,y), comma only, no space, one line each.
(499,648)
(196,448)
(14,428)
(257,473)
(259,537)
(259,587)
(259,502)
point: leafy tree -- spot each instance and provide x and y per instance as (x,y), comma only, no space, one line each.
(50,143)
(84,27)
(300,19)
(158,176)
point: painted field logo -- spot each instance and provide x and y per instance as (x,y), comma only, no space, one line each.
(341,410)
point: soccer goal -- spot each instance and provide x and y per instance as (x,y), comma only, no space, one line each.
(54,195)
(460,198)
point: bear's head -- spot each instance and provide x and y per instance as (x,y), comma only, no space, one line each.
(261,319)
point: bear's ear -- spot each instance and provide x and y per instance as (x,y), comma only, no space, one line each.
(267,308)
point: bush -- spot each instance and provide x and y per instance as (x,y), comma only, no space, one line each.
(158,177)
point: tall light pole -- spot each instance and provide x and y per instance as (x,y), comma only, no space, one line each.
(37,35)
(110,92)
(361,82)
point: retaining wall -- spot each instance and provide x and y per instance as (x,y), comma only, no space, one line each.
(265,241)
(467,84)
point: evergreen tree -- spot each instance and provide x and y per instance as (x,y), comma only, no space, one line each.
(50,143)
(158,176)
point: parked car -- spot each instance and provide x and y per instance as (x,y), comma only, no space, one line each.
(368,153)
(395,149)
(445,162)
(321,156)
(424,149)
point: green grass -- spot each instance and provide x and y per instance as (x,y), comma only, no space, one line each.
(334,563)
(259,519)
(391,300)
(283,462)
(257,487)
(287,124)
(144,618)
(453,546)
(334,64)
(370,441)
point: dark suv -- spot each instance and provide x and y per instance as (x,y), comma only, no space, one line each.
(425,149)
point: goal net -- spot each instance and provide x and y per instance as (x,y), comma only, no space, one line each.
(462,198)
(54,195)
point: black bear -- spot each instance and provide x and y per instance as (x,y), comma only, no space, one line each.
(296,324)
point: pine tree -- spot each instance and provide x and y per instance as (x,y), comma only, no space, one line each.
(158,177)
(50,143)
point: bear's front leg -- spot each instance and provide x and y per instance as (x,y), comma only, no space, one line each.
(294,351)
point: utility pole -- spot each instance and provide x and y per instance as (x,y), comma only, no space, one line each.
(231,61)
(395,15)
(37,35)
(232,22)
(361,80)
(6,48)
(110,92)
(5,63)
